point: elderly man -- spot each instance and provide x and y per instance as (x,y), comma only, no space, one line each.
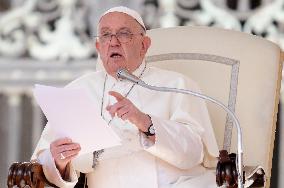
(167,139)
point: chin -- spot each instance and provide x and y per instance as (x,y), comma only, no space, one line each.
(112,71)
(113,67)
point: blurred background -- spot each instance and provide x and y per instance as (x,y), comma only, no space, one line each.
(52,42)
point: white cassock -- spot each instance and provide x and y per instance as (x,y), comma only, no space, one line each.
(184,145)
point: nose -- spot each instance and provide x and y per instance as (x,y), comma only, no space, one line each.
(114,41)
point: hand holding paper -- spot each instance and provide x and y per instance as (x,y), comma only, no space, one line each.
(72,113)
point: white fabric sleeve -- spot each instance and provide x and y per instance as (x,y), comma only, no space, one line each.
(52,174)
(175,143)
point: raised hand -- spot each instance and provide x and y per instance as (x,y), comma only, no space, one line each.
(126,110)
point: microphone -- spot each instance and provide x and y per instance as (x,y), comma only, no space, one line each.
(125,75)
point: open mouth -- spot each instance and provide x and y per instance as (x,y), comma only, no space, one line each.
(115,55)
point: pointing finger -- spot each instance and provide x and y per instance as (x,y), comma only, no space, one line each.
(117,95)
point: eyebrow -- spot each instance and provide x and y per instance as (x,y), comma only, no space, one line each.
(124,28)
(104,29)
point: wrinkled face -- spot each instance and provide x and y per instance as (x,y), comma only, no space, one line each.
(120,51)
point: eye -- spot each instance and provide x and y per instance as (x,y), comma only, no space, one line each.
(124,34)
(105,35)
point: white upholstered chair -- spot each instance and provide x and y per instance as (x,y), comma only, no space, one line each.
(240,70)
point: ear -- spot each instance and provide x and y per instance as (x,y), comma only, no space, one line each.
(97,46)
(146,43)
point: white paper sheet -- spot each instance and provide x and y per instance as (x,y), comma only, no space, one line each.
(72,113)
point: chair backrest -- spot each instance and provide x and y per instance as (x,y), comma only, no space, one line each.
(240,70)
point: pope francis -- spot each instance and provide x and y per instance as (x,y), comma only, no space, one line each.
(167,138)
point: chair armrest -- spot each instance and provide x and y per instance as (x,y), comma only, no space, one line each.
(27,173)
(226,172)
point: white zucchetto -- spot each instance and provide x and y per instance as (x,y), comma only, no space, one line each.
(129,12)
